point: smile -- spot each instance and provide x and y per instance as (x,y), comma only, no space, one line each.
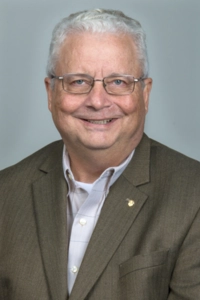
(99,121)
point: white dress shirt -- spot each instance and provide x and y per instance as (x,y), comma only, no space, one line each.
(84,205)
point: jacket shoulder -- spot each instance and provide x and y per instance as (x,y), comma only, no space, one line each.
(172,161)
(31,164)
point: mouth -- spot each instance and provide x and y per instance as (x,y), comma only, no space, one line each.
(101,122)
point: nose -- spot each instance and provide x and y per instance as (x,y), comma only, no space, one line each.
(98,98)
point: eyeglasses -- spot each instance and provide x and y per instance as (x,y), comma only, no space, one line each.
(83,83)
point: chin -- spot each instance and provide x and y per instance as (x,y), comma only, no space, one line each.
(98,146)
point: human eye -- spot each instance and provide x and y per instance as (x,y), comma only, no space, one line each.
(117,81)
(78,81)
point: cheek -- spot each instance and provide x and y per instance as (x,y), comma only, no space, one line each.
(60,101)
(63,104)
(130,105)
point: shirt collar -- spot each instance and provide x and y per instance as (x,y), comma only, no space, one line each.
(112,172)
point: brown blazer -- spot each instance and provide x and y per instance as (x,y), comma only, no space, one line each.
(148,251)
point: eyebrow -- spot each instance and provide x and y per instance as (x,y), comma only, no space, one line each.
(118,74)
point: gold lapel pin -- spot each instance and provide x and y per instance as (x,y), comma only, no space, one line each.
(130,202)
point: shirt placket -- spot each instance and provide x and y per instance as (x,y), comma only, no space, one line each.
(82,228)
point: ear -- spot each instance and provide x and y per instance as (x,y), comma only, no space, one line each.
(146,92)
(47,82)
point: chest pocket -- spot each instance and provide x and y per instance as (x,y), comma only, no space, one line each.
(144,261)
(145,276)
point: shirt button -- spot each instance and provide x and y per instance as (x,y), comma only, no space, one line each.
(82,221)
(74,269)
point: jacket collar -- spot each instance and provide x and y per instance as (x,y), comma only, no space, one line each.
(49,194)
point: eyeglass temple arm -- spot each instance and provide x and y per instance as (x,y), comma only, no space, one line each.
(57,77)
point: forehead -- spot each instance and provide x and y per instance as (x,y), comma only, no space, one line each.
(91,52)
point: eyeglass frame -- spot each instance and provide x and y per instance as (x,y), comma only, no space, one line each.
(135,80)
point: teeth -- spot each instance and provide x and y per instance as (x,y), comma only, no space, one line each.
(100,122)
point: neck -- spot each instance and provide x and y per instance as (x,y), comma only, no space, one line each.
(88,166)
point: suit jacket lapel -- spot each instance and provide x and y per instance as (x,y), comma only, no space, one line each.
(50,212)
(116,214)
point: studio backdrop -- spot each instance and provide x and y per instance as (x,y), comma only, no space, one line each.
(173,40)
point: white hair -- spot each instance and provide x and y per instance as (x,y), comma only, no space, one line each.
(98,21)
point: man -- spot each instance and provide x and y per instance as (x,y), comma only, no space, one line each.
(106,213)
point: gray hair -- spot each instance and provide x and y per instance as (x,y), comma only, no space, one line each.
(98,21)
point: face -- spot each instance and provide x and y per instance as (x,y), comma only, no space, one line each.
(99,121)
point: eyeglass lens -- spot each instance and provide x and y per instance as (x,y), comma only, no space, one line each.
(82,83)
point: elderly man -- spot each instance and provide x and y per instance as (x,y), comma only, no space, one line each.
(106,213)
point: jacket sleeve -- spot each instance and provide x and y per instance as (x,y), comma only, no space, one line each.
(185,281)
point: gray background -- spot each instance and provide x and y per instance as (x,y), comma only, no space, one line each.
(173,38)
